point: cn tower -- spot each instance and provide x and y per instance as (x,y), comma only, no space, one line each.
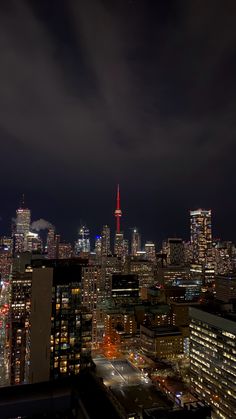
(118,212)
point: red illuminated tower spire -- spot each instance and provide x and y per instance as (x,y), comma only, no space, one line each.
(118,212)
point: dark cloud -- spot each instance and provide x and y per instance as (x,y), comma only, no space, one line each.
(140,92)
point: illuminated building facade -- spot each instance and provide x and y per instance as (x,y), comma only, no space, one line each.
(92,295)
(125,288)
(225,288)
(144,269)
(51,244)
(201,234)
(98,246)
(65,251)
(135,242)
(161,342)
(22,228)
(106,241)
(119,321)
(175,251)
(5,263)
(51,333)
(119,248)
(71,327)
(150,250)
(110,266)
(34,243)
(83,243)
(168,274)
(192,288)
(213,361)
(19,322)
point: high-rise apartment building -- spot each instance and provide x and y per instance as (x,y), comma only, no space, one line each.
(50,329)
(213,360)
(93,293)
(135,242)
(201,234)
(19,324)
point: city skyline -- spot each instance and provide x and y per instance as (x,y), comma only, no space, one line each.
(42,225)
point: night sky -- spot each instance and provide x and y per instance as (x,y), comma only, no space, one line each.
(140,92)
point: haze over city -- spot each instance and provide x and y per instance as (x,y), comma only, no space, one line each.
(140,93)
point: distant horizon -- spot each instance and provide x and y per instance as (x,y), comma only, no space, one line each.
(125,228)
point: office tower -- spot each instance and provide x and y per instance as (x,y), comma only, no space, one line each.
(119,248)
(83,243)
(125,248)
(50,330)
(110,265)
(222,257)
(213,361)
(125,288)
(135,242)
(161,342)
(201,234)
(175,251)
(143,268)
(118,212)
(225,288)
(188,253)
(168,274)
(22,228)
(192,288)
(23,219)
(150,250)
(34,243)
(6,243)
(98,246)
(51,244)
(106,241)
(64,251)
(18,243)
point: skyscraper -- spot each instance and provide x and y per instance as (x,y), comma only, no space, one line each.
(106,241)
(50,330)
(150,250)
(175,251)
(98,246)
(135,242)
(51,244)
(83,243)
(119,246)
(23,219)
(201,234)
(22,228)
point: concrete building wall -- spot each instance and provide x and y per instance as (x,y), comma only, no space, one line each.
(40,320)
